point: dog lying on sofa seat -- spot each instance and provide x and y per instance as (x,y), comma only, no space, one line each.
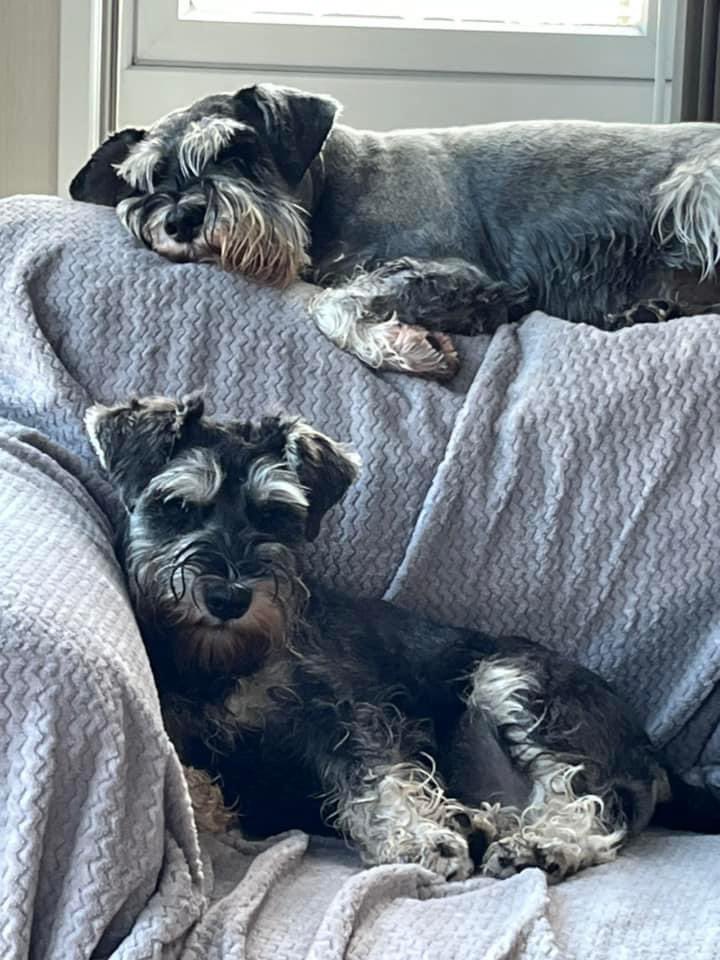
(418,234)
(418,742)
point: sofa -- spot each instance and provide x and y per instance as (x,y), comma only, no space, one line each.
(566,486)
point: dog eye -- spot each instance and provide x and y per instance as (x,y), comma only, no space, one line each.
(181,512)
(281,520)
(241,150)
(160,171)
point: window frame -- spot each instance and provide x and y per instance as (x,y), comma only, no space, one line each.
(161,38)
(112,74)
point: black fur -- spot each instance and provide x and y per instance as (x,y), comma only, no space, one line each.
(358,660)
(297,704)
(98,178)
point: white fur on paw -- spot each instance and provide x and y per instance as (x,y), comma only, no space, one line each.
(449,857)
(445,853)
(504,858)
(343,314)
(414,350)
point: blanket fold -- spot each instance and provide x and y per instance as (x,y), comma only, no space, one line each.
(565,487)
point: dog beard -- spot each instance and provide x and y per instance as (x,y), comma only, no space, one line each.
(245,230)
(236,647)
(168,588)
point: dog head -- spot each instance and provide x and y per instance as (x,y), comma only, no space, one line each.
(224,180)
(215,513)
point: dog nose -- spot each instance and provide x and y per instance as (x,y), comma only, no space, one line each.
(227,601)
(183,223)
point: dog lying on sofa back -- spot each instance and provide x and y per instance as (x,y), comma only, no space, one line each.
(422,233)
(416,741)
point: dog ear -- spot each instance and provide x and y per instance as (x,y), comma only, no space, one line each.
(325,468)
(134,440)
(98,181)
(295,124)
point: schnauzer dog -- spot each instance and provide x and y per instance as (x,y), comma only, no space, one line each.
(417,234)
(417,742)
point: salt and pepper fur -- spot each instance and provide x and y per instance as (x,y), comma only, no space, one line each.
(418,234)
(319,711)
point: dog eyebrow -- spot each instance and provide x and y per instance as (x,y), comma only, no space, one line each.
(195,477)
(269,481)
(138,167)
(203,140)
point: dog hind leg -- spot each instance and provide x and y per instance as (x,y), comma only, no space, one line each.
(560,830)
(687,213)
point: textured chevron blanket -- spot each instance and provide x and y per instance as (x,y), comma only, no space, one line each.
(566,486)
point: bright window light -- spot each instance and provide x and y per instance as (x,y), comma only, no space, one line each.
(464,14)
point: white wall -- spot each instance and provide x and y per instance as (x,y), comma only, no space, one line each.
(382,103)
(29,40)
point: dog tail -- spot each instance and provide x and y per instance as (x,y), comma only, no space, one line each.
(688,807)
(687,211)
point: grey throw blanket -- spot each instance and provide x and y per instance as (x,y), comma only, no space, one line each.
(565,487)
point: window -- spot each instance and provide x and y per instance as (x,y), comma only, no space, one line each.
(452,14)
(578,38)
(391,63)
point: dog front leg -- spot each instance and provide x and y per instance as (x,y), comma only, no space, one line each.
(382,793)
(398,316)
(398,813)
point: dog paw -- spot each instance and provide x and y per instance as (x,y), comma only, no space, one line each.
(411,349)
(447,854)
(429,845)
(438,849)
(380,340)
(644,311)
(504,858)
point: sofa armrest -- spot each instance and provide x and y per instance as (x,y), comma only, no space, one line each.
(97,825)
